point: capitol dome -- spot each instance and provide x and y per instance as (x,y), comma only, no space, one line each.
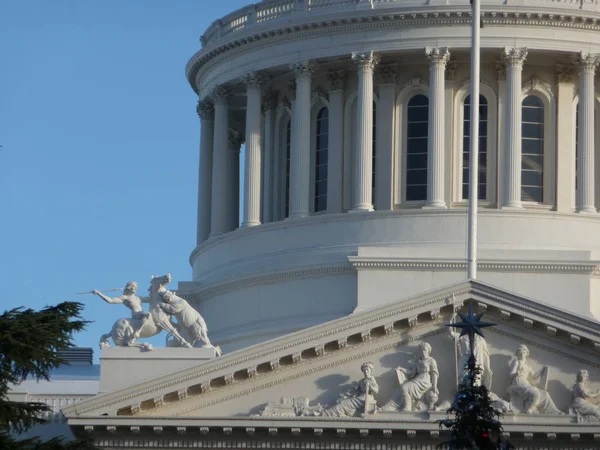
(354,115)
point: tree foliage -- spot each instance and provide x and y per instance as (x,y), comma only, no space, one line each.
(476,423)
(30,342)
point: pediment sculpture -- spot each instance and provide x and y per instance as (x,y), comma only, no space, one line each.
(526,397)
(417,386)
(417,389)
(482,359)
(358,401)
(167,311)
(585,402)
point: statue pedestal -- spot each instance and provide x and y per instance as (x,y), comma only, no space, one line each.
(122,367)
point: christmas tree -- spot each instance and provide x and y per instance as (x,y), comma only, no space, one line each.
(476,423)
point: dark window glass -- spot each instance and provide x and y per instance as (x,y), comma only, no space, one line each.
(321,157)
(532,150)
(483,134)
(288,148)
(416,148)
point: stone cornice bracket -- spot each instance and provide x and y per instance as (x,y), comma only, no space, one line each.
(450,70)
(366,61)
(387,74)
(336,79)
(302,69)
(588,62)
(514,57)
(500,71)
(438,56)
(205,110)
(565,73)
(219,95)
(253,80)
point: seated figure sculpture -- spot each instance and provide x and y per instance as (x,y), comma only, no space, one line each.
(417,385)
(524,396)
(584,400)
(359,400)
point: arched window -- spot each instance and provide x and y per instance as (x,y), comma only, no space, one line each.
(483,135)
(321,159)
(417,127)
(288,148)
(532,150)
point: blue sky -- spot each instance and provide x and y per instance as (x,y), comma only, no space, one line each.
(99,165)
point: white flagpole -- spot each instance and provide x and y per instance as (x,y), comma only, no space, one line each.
(474,144)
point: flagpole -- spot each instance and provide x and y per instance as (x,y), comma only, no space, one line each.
(474,143)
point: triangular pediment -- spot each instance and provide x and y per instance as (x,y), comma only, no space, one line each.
(318,364)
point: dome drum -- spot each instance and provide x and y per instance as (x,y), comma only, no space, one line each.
(355,119)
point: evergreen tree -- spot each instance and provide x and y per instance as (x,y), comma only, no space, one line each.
(30,342)
(476,423)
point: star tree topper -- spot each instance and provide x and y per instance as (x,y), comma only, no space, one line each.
(471,325)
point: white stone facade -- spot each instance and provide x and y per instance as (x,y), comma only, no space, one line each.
(346,208)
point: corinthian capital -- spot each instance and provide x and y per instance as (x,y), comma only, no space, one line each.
(514,57)
(219,95)
(253,80)
(336,79)
(588,62)
(438,56)
(205,110)
(302,69)
(365,60)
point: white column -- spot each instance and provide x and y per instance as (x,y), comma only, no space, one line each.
(218,217)
(336,141)
(269,106)
(585,161)
(232,205)
(565,139)
(207,123)
(363,158)
(514,59)
(384,158)
(501,114)
(251,214)
(300,154)
(449,90)
(438,58)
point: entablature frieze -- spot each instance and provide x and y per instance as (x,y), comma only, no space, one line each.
(317,433)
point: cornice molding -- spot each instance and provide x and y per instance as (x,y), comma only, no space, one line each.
(373,263)
(312,432)
(404,17)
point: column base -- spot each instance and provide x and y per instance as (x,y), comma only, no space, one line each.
(250,223)
(435,205)
(512,207)
(588,211)
(361,208)
(213,236)
(297,216)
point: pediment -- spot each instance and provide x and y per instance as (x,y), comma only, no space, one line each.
(318,364)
